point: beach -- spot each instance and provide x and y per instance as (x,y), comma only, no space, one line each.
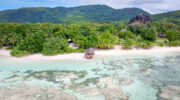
(116,51)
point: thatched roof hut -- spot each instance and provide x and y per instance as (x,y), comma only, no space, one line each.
(89,53)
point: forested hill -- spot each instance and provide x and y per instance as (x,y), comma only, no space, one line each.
(172,17)
(93,13)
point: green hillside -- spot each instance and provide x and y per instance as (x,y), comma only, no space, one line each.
(93,13)
(170,17)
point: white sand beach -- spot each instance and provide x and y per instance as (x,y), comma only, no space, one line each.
(117,51)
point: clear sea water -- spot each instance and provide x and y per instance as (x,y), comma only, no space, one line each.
(140,77)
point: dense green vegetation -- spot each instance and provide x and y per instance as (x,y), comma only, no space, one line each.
(88,13)
(54,45)
(172,35)
(169,17)
(106,40)
(148,34)
(51,39)
(91,13)
(127,44)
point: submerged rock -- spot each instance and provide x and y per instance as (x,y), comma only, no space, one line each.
(108,87)
(170,93)
(147,72)
(112,89)
(23,92)
(175,88)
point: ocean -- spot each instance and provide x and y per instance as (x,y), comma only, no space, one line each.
(137,77)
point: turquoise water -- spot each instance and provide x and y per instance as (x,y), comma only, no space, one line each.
(140,77)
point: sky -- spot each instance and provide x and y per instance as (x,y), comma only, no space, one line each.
(152,6)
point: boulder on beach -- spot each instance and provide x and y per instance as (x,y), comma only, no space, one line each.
(89,53)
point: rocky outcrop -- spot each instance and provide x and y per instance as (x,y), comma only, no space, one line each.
(140,18)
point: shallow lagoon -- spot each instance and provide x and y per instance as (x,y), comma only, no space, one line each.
(142,77)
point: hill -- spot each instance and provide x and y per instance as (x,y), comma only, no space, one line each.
(170,17)
(93,13)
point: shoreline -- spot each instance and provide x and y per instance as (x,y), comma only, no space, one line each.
(117,51)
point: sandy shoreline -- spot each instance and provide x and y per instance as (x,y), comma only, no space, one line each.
(117,51)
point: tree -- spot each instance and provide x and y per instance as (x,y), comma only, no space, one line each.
(148,34)
(60,31)
(82,41)
(54,45)
(72,30)
(33,43)
(16,52)
(127,44)
(146,44)
(106,40)
(8,33)
(47,27)
(119,27)
(126,34)
(87,30)
(136,27)
(50,38)
(108,27)
(171,35)
(174,43)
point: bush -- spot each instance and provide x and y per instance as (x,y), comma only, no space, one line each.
(127,44)
(149,34)
(69,50)
(1,46)
(33,43)
(161,44)
(136,28)
(174,43)
(54,45)
(82,41)
(126,34)
(10,48)
(171,35)
(106,40)
(146,45)
(18,53)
